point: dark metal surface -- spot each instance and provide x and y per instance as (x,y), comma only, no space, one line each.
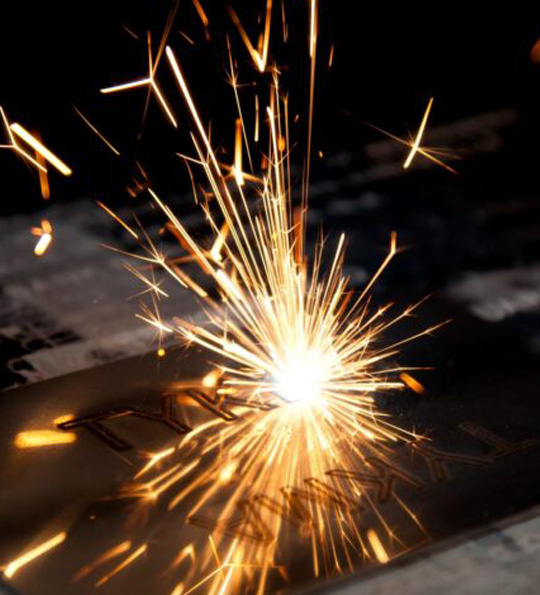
(480,465)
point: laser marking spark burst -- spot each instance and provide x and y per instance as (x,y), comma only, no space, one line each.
(295,348)
(298,361)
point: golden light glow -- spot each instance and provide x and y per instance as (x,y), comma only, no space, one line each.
(34,553)
(41,438)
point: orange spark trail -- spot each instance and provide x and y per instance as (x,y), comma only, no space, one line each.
(149,81)
(34,553)
(201,13)
(129,560)
(96,131)
(419,135)
(259,55)
(412,383)
(111,553)
(33,142)
(45,237)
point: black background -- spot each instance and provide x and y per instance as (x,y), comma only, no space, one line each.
(388,61)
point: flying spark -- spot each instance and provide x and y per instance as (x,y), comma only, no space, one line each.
(295,347)
(40,148)
(149,81)
(44,233)
(34,553)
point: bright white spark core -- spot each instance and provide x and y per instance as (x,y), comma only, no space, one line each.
(301,379)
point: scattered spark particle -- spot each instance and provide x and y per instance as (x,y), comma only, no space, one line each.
(126,86)
(42,244)
(111,553)
(130,32)
(43,177)
(377,546)
(161,352)
(419,135)
(115,217)
(96,131)
(41,438)
(260,55)
(187,38)
(237,167)
(429,153)
(295,346)
(154,459)
(34,553)
(313,24)
(154,322)
(33,142)
(144,82)
(45,237)
(211,379)
(62,419)
(412,383)
(14,145)
(256,132)
(201,13)
(129,560)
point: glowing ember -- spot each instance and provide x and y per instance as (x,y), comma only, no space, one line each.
(45,237)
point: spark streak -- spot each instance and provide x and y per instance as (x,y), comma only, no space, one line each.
(378,548)
(295,349)
(96,131)
(117,218)
(34,553)
(129,560)
(33,142)
(148,81)
(45,237)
